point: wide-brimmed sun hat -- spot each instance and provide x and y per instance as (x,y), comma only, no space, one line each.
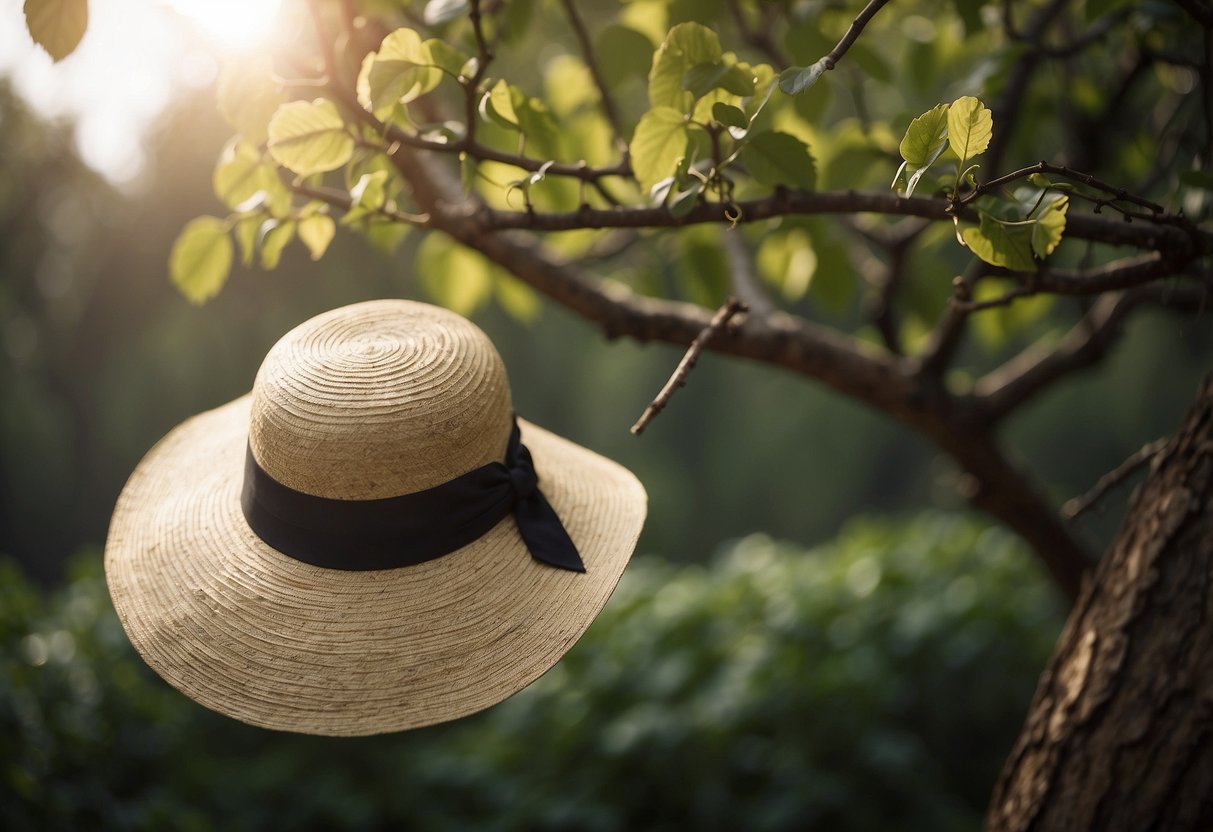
(370,540)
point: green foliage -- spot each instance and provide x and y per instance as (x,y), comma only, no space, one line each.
(970,128)
(201,258)
(402,70)
(686,47)
(870,684)
(660,142)
(925,139)
(796,79)
(57,25)
(775,158)
(1010,232)
(309,137)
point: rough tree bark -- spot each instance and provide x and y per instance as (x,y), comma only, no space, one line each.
(1119,735)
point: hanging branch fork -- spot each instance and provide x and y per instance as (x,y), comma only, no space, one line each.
(730,308)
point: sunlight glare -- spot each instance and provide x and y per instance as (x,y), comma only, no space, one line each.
(235,25)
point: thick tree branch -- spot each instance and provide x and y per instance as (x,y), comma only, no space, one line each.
(1041,365)
(1153,236)
(1110,277)
(1118,735)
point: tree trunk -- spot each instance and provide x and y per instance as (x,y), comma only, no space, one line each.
(1119,735)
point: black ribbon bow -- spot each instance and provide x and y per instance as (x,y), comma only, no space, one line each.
(412,528)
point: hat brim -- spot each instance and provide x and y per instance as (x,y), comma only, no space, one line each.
(277,643)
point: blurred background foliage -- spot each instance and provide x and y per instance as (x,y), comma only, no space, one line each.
(872,683)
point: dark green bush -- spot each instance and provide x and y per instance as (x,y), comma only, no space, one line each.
(875,683)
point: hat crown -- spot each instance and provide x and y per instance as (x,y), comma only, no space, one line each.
(379,399)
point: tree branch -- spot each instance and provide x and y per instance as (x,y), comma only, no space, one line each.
(1039,366)
(679,379)
(1120,194)
(1156,235)
(1075,507)
(852,34)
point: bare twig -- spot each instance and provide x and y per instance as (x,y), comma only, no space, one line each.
(730,308)
(1073,508)
(853,31)
(1119,194)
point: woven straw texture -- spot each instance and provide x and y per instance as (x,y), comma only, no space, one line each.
(368,401)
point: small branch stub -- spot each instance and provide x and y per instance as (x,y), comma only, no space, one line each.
(1073,508)
(723,315)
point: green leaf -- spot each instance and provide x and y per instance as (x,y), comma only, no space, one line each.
(926,137)
(317,232)
(1050,226)
(368,193)
(385,235)
(237,174)
(401,71)
(660,140)
(536,123)
(623,54)
(796,79)
(1001,244)
(1040,180)
(685,201)
(445,57)
(686,46)
(970,127)
(703,78)
(775,158)
(246,235)
(498,106)
(244,181)
(201,258)
(730,116)
(309,137)
(274,238)
(56,25)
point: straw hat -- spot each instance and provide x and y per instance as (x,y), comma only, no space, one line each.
(356,408)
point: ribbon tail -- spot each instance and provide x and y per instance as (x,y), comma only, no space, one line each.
(544,534)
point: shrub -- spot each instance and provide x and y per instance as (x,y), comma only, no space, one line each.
(872,683)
